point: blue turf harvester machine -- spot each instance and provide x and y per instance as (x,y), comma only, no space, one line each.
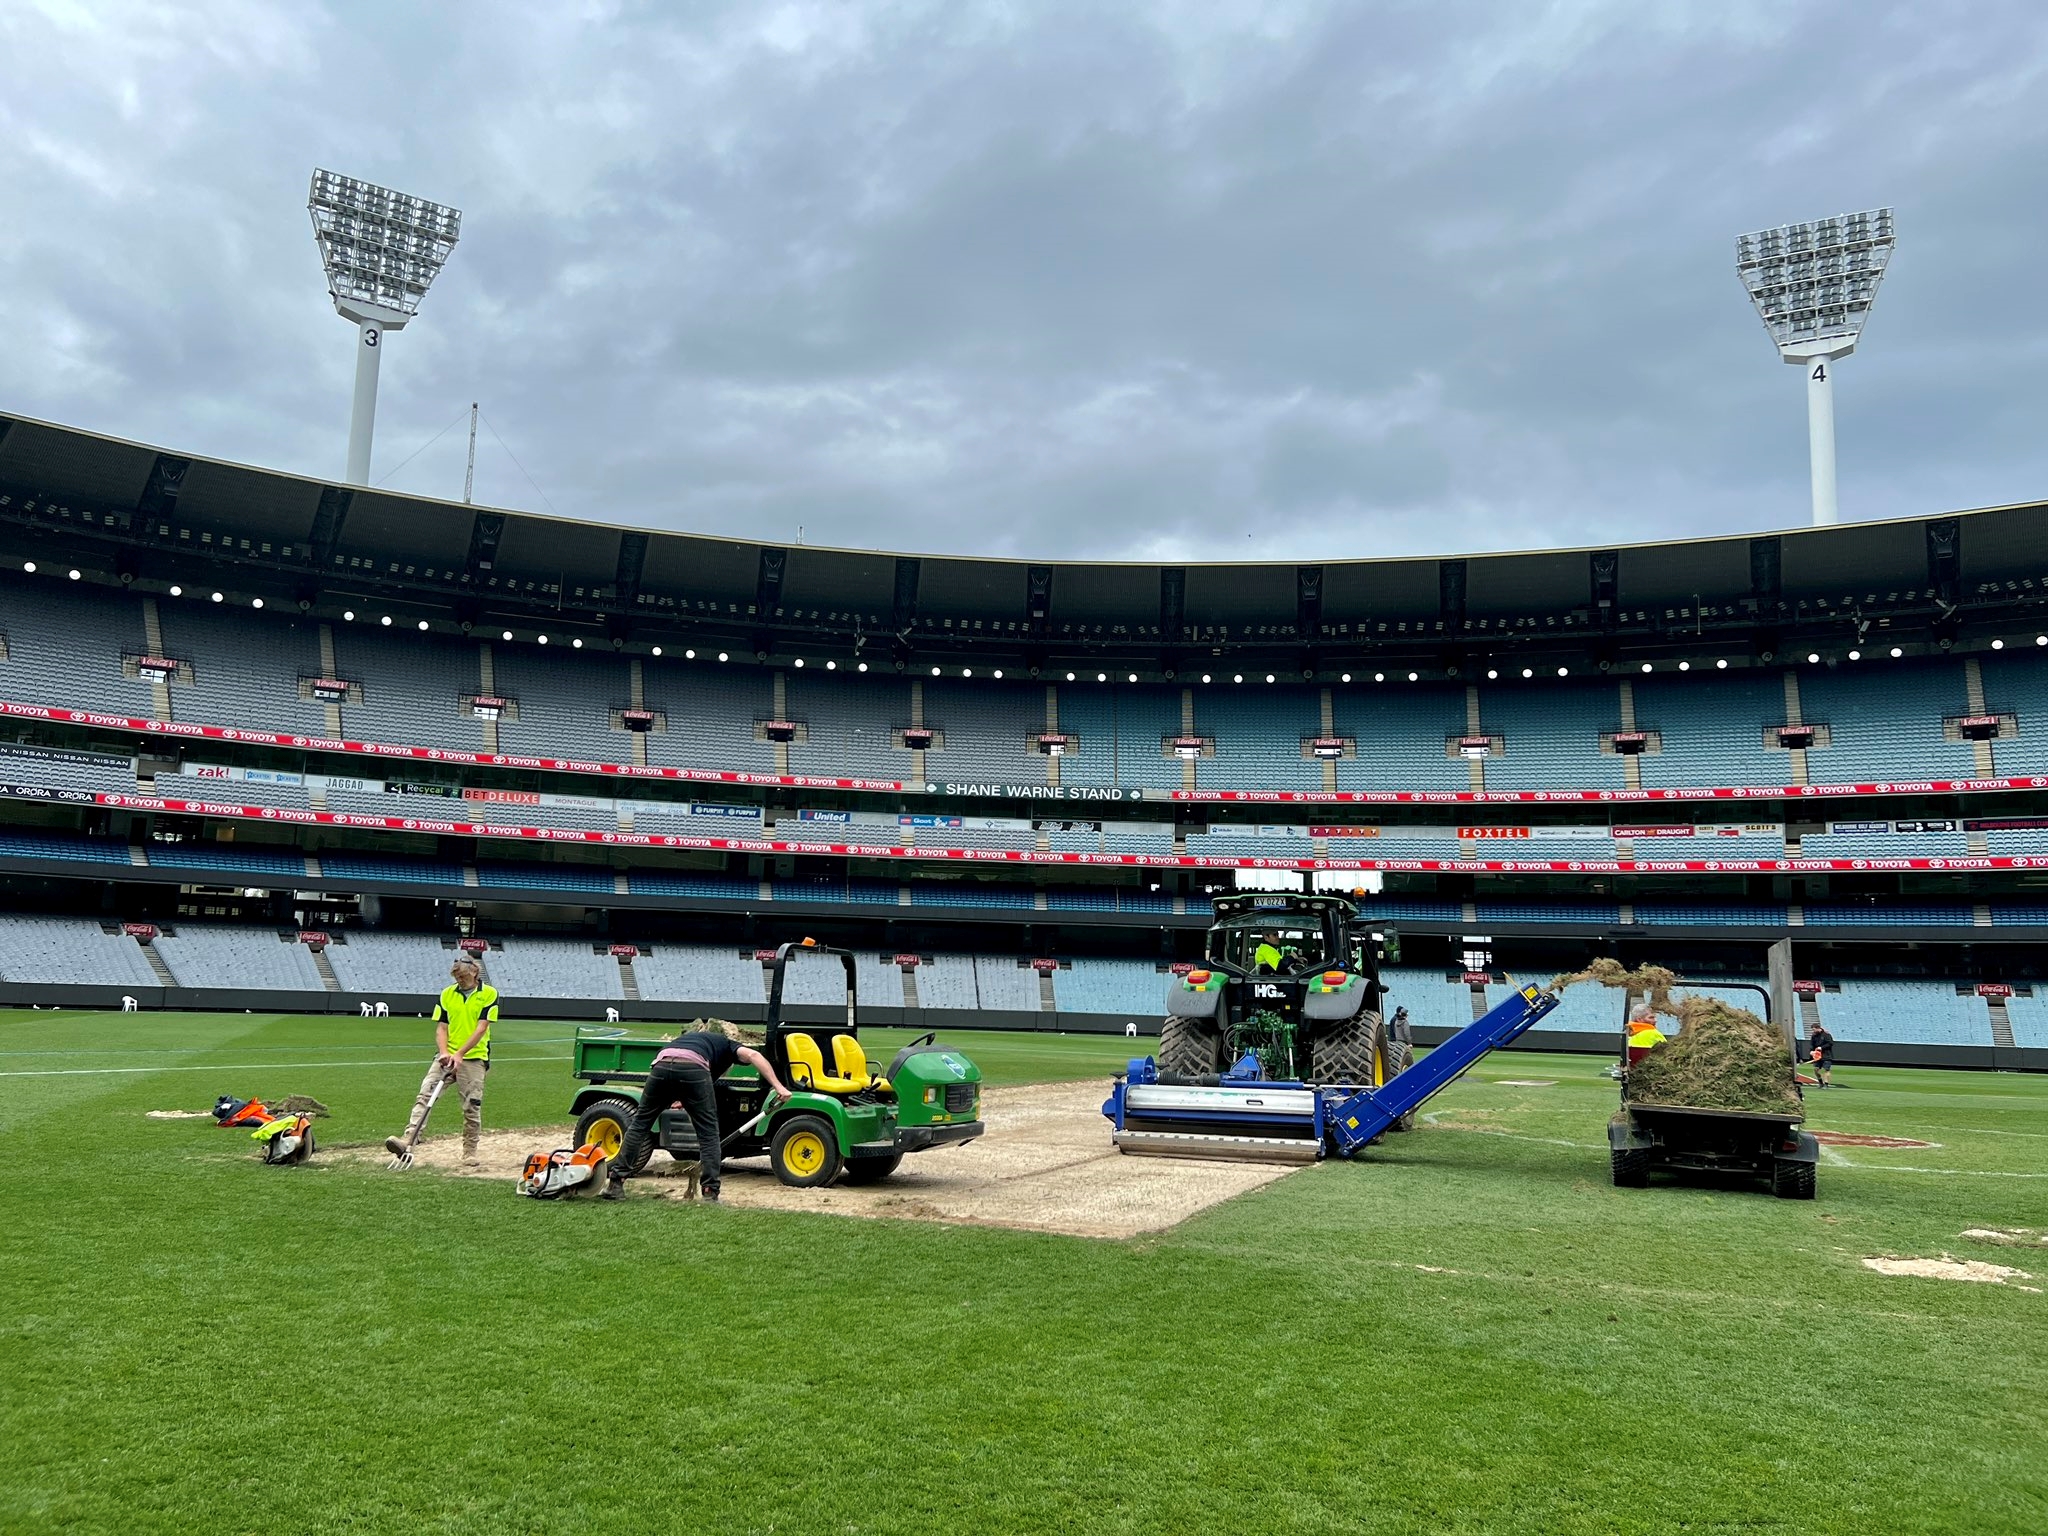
(1240,1114)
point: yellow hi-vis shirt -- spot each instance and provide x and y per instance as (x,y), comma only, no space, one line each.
(462,1014)
(1643,1037)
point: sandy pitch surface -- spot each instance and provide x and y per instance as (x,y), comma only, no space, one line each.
(1045,1164)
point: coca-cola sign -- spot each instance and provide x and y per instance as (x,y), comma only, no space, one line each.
(906,962)
(1994,989)
(1807,988)
(487,706)
(143,931)
(329,690)
(474,946)
(313,938)
(1047,967)
(156,666)
(624,951)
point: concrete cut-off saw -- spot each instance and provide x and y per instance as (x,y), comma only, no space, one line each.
(286,1141)
(564,1174)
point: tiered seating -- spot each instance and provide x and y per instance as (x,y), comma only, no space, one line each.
(53,845)
(2017,684)
(64,646)
(528,966)
(1258,735)
(203,955)
(1885,722)
(652,882)
(1004,986)
(1712,728)
(1906,1013)
(1400,729)
(969,893)
(711,710)
(2029,1019)
(821,980)
(72,951)
(1600,912)
(584,878)
(1121,730)
(414,871)
(564,710)
(1923,914)
(1689,914)
(1135,987)
(377,960)
(1431,1001)
(239,859)
(849,724)
(986,732)
(1582,1009)
(699,973)
(412,686)
(948,981)
(1552,731)
(243,673)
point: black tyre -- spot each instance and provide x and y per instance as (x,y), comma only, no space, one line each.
(1352,1052)
(1790,1180)
(872,1170)
(804,1152)
(1631,1167)
(1400,1057)
(605,1124)
(1190,1048)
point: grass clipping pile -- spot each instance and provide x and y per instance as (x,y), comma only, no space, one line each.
(1722,1057)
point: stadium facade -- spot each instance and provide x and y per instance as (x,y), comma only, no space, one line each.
(235,694)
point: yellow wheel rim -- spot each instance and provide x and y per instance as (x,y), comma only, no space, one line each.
(607,1134)
(804,1153)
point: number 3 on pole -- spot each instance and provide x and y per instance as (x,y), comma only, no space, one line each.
(371,333)
(1819,374)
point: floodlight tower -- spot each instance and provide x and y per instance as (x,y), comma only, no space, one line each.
(382,249)
(1813,284)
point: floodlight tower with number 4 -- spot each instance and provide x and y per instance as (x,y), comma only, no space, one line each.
(1813,284)
(382,249)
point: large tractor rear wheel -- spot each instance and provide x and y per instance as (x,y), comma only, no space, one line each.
(1352,1052)
(1190,1048)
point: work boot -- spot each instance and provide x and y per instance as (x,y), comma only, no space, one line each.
(395,1145)
(711,1196)
(614,1189)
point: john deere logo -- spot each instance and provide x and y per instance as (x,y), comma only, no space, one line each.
(955,1066)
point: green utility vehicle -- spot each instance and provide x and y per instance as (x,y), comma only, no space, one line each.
(1293,980)
(844,1115)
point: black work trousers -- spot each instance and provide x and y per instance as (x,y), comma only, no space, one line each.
(669,1084)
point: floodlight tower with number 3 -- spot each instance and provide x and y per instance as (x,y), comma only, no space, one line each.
(381,249)
(1813,284)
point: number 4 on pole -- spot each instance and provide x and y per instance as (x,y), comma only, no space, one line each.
(1820,372)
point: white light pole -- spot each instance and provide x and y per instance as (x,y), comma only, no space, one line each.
(1813,284)
(381,250)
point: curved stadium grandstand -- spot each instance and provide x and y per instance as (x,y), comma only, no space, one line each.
(270,734)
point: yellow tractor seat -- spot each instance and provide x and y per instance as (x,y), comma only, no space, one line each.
(807,1065)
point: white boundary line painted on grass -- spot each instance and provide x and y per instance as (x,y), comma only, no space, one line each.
(244,1066)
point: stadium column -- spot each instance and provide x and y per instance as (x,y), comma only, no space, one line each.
(363,414)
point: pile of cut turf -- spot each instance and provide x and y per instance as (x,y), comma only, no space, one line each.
(1721,1058)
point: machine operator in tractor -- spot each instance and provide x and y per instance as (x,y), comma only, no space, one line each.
(462,1054)
(1643,1034)
(687,1073)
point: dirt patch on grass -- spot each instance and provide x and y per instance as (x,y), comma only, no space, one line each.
(1046,1164)
(1844,1139)
(176,1114)
(2008,1237)
(1526,1082)
(1948,1267)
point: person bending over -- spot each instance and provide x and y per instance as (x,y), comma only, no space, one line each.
(687,1073)
(462,1052)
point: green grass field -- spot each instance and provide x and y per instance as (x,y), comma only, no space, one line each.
(1468,1332)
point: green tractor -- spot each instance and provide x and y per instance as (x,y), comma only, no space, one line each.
(1294,981)
(844,1115)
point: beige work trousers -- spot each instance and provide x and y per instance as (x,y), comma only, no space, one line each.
(469,1087)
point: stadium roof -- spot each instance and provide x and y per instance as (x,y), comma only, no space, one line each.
(123,511)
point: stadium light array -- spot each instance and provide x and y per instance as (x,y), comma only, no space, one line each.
(381,251)
(1813,285)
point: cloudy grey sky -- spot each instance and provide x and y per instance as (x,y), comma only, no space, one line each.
(1133,280)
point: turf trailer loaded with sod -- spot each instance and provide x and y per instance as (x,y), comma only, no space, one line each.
(1721,1097)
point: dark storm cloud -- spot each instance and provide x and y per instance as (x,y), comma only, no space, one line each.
(1204,280)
